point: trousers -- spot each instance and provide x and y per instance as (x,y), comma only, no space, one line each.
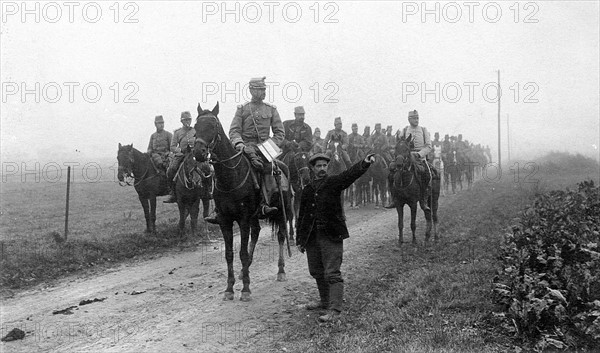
(324,257)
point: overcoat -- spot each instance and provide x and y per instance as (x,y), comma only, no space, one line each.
(321,205)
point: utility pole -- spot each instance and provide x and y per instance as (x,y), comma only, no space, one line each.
(508,136)
(499,135)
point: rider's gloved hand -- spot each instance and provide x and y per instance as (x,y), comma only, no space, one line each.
(239,146)
(370,158)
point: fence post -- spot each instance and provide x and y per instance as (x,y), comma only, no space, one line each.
(67,206)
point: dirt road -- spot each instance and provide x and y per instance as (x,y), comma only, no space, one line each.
(180,307)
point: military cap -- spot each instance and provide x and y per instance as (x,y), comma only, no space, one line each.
(159,119)
(185,115)
(317,129)
(389,127)
(318,156)
(299,110)
(378,126)
(337,120)
(354,125)
(413,114)
(258,82)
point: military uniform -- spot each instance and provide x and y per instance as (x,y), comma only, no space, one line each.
(252,125)
(182,138)
(422,146)
(340,137)
(158,147)
(298,132)
(378,141)
(355,143)
(253,122)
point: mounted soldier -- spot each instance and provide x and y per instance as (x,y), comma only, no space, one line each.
(318,142)
(251,127)
(390,138)
(367,136)
(435,156)
(341,137)
(298,134)
(182,138)
(379,143)
(356,143)
(422,148)
(159,146)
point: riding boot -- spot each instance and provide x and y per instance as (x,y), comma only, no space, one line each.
(391,201)
(267,190)
(214,217)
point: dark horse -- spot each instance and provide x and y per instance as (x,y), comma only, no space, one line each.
(379,171)
(336,165)
(297,163)
(193,183)
(148,182)
(407,191)
(236,197)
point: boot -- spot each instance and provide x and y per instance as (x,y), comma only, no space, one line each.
(214,217)
(267,190)
(336,296)
(266,210)
(323,287)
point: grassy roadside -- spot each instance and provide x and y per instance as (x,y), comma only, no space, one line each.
(106,228)
(427,299)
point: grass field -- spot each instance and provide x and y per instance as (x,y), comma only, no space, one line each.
(106,224)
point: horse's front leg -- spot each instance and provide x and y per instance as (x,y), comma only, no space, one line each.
(227,231)
(428,220)
(413,221)
(146,207)
(183,212)
(400,211)
(153,214)
(281,233)
(194,211)
(245,258)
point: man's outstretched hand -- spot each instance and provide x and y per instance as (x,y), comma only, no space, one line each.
(370,158)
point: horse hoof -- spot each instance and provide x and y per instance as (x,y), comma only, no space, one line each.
(228,296)
(245,297)
(281,277)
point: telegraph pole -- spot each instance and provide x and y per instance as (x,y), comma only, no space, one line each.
(499,135)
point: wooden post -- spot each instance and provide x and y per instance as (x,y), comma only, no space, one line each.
(499,135)
(67,207)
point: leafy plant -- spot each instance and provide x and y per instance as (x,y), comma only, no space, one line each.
(550,281)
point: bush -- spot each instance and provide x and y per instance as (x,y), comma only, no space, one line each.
(550,281)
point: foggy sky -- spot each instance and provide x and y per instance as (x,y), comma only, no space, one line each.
(365,59)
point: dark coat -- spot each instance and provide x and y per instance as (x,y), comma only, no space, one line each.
(321,203)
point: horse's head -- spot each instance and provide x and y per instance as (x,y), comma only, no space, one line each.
(125,160)
(336,154)
(208,129)
(301,162)
(403,148)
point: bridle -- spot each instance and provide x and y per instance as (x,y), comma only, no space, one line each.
(212,160)
(407,167)
(126,171)
(299,170)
